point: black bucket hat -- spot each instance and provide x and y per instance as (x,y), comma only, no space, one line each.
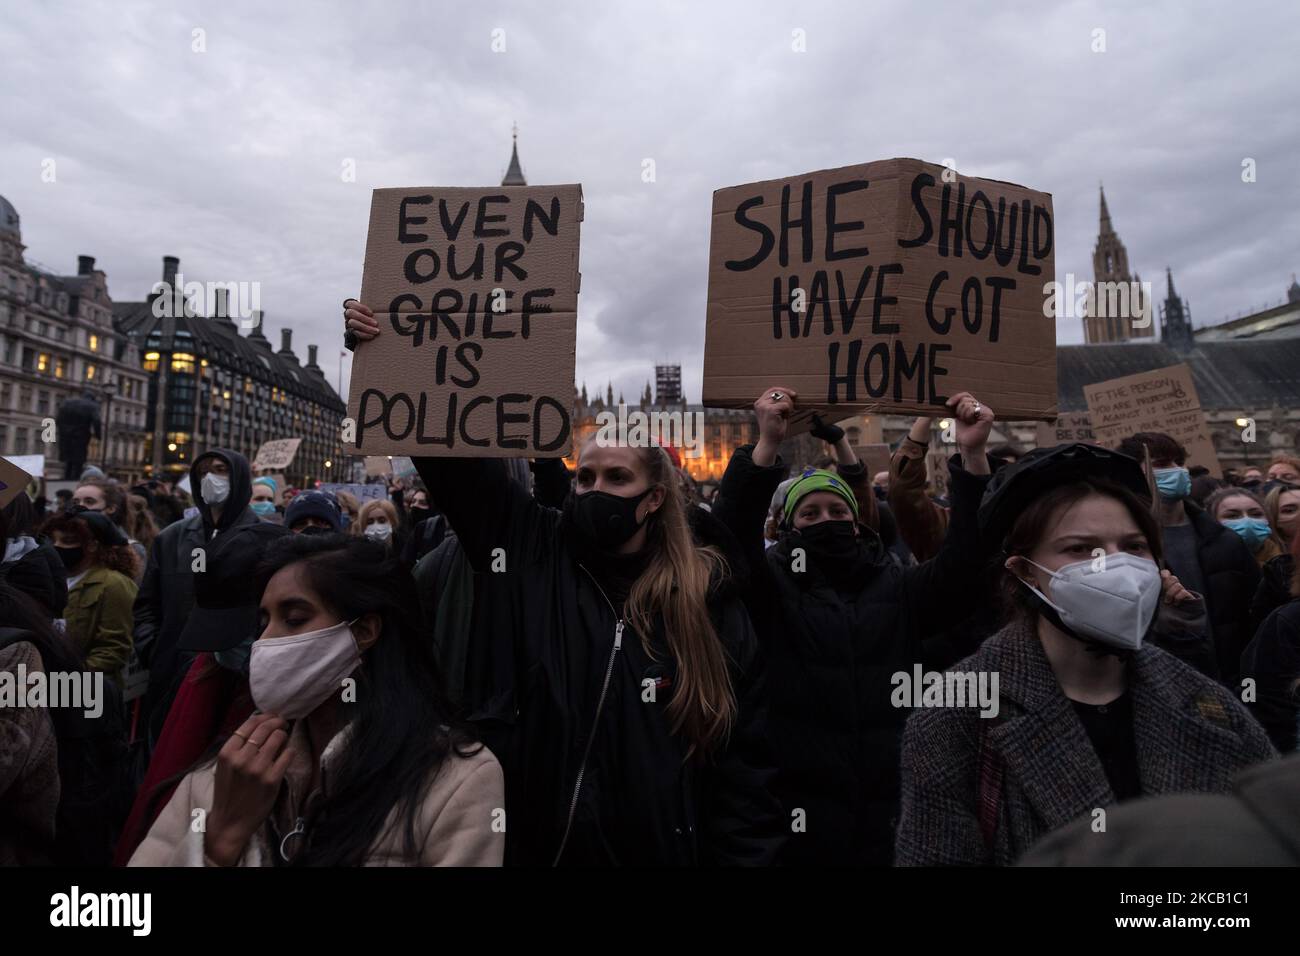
(1013,487)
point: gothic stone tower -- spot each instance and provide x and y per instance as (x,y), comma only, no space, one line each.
(1110,265)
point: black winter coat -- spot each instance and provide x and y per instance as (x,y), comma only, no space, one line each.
(583,751)
(832,730)
(1231,576)
(1274,589)
(166,594)
(1272,659)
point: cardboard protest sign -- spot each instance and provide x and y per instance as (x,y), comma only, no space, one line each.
(891,285)
(276,455)
(378,465)
(875,456)
(1163,400)
(936,463)
(362,493)
(476,292)
(13,481)
(1069,427)
(403,467)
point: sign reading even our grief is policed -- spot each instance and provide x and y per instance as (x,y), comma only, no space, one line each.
(476,292)
(1162,400)
(882,286)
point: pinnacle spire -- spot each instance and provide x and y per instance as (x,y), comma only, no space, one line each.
(1105,213)
(514,174)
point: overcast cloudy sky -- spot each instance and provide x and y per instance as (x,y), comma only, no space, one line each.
(232,158)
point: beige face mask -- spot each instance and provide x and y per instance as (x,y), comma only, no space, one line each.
(292,676)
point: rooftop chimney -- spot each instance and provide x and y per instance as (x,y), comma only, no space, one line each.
(85,265)
(286,346)
(221,304)
(256,334)
(170,265)
(311,356)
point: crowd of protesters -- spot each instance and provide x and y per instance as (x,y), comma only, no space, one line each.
(634,669)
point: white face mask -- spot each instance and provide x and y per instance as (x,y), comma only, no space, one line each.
(1114,606)
(379,532)
(215,488)
(292,676)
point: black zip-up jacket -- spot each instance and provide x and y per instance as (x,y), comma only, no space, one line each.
(166,594)
(831,654)
(541,611)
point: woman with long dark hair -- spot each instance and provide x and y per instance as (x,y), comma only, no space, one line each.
(351,758)
(1086,711)
(628,728)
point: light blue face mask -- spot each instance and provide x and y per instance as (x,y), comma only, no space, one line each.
(1254,531)
(263,507)
(1173,484)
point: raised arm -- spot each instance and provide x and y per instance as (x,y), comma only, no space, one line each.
(921,523)
(487,510)
(752,475)
(957,571)
(851,469)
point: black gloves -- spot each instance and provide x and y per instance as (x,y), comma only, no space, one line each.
(827,433)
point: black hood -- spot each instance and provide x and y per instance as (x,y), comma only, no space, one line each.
(241,488)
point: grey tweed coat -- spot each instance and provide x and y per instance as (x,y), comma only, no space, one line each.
(1038,770)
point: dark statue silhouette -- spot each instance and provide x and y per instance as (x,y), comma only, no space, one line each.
(77,421)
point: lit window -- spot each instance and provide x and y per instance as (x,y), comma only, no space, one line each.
(90,373)
(60,367)
(94,343)
(151,361)
(183,362)
(42,362)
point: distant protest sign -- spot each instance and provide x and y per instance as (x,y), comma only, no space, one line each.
(936,463)
(1068,428)
(1163,400)
(476,292)
(378,465)
(276,455)
(13,482)
(889,286)
(362,493)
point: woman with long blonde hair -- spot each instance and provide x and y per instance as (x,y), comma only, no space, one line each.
(628,733)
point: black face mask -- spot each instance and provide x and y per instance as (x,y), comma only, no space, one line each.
(417,514)
(607,520)
(71,557)
(830,541)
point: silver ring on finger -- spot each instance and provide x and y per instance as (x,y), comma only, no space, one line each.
(777,396)
(978,406)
